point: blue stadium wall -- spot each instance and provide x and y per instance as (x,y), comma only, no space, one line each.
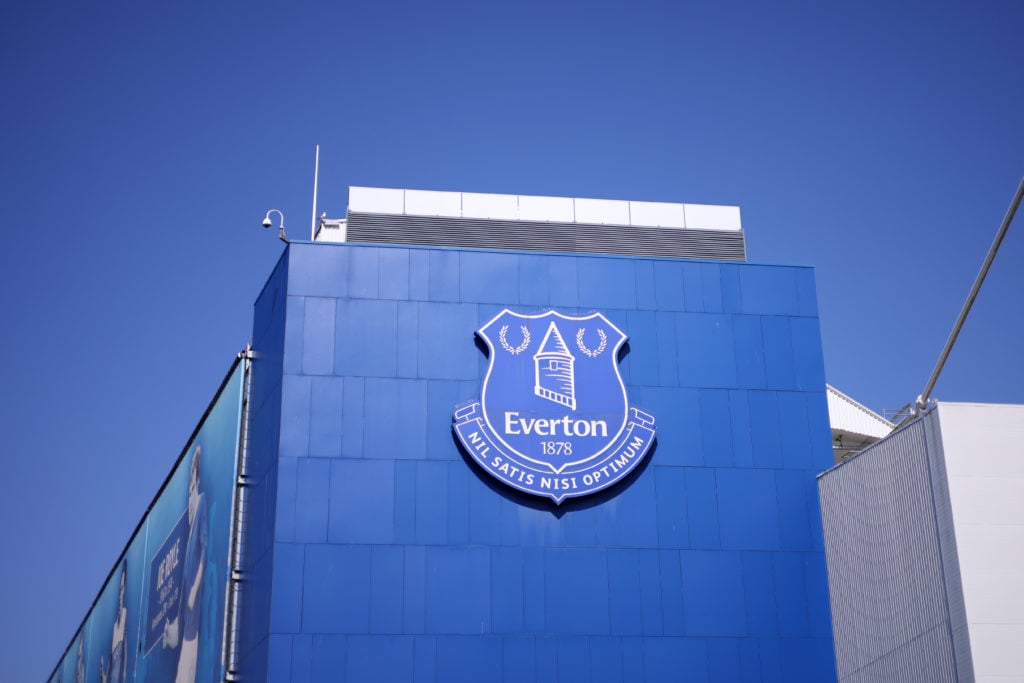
(376,550)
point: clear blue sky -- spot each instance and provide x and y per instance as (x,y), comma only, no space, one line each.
(142,143)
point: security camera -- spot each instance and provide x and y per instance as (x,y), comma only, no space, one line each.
(266,222)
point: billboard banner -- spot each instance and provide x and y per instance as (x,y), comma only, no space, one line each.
(160,616)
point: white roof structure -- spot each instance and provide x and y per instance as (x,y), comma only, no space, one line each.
(525,222)
(530,208)
(854,426)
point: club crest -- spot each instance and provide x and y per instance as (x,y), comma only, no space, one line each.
(553,417)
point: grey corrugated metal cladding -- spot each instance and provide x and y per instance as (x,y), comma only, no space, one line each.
(723,245)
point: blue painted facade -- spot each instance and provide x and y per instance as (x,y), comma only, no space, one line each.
(376,550)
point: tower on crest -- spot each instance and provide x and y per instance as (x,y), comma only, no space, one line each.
(554,370)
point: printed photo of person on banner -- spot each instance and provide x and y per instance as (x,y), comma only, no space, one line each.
(181,629)
(114,669)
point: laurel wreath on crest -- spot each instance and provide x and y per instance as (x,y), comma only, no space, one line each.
(508,347)
(600,347)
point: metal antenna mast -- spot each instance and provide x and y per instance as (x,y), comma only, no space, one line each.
(922,400)
(316,176)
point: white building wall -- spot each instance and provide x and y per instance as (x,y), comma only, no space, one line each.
(983,445)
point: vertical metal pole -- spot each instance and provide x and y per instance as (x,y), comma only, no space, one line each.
(316,176)
(922,400)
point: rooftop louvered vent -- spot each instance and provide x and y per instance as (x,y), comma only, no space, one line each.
(488,221)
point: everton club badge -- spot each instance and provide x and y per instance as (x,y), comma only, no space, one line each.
(553,417)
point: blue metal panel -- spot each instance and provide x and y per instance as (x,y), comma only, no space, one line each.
(809,363)
(769,290)
(458,584)
(646,292)
(507,590)
(518,659)
(682,430)
(643,344)
(606,283)
(425,652)
(380,658)
(364,273)
(533,281)
(341,601)
(405,502)
(791,593)
(391,402)
(406,347)
(702,508)
(573,660)
(748,516)
(670,493)
(302,659)
(419,274)
(778,353)
(446,349)
(764,428)
(795,512)
(534,617)
(580,528)
(633,660)
(435,573)
(668,359)
(750,661)
(716,435)
(759,594)
(328,658)
(724,660)
(605,660)
(488,277)
(624,592)
(318,272)
(284,527)
(547,659)
(325,409)
(711,283)
(732,296)
(414,584)
(634,521)
(387,579)
(394,273)
(367,334)
(468,660)
(750,351)
(806,292)
(576,591)
(671,593)
(771,661)
(286,600)
(444,280)
(563,282)
(650,592)
(353,393)
(739,417)
(279,662)
(296,392)
(318,336)
(718,611)
(362,501)
(667,658)
(693,288)
(430,497)
(668,286)
(312,488)
(705,349)
(294,325)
